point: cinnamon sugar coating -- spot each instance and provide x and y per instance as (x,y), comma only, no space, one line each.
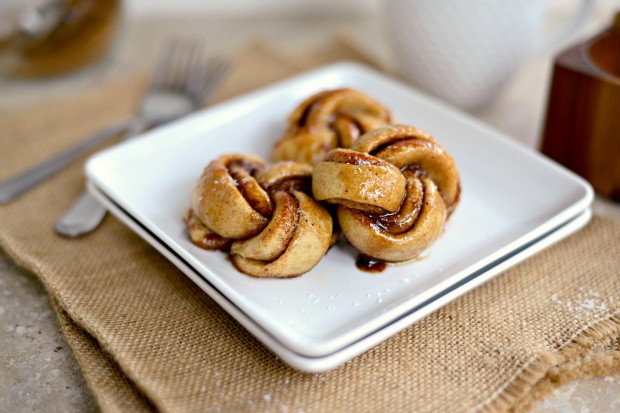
(366,189)
(328,120)
(264,214)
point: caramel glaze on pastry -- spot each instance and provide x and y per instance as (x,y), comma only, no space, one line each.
(394,189)
(328,120)
(262,214)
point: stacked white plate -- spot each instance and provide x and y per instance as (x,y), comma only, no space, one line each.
(514,203)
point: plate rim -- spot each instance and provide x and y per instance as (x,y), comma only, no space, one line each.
(311,347)
(318,364)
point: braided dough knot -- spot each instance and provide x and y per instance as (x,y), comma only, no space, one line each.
(273,228)
(394,189)
(328,120)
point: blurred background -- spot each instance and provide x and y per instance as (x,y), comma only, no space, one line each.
(245,8)
(298,26)
(292,28)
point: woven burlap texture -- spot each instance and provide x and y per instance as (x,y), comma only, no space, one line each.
(148,339)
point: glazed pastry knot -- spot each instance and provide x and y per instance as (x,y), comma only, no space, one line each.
(328,120)
(394,189)
(262,213)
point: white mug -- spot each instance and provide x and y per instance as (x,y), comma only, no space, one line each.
(465,51)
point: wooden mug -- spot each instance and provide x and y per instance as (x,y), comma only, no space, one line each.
(582,127)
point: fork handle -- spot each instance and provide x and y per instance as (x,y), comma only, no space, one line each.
(86,213)
(13,187)
(84,216)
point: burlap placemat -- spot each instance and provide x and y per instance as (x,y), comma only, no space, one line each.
(148,339)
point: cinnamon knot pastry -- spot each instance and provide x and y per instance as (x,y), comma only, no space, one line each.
(262,214)
(328,120)
(394,189)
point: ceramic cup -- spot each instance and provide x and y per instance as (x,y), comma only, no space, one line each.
(465,51)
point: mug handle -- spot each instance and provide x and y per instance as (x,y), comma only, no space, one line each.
(583,11)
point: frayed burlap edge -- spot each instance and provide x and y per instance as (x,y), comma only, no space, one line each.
(592,351)
(584,355)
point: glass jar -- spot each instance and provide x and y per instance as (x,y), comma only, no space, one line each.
(51,37)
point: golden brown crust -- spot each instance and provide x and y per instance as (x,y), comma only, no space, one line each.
(286,176)
(272,241)
(358,180)
(202,236)
(328,120)
(276,230)
(308,240)
(228,200)
(389,190)
(406,146)
(372,237)
(429,191)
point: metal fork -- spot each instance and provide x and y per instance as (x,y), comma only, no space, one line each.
(183,81)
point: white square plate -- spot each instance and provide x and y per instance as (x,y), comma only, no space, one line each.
(327,362)
(511,197)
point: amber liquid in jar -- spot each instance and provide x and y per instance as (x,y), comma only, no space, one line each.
(82,34)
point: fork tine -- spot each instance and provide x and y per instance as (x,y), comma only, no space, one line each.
(168,70)
(215,70)
(195,71)
(162,67)
(175,65)
(182,69)
(185,63)
(202,76)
